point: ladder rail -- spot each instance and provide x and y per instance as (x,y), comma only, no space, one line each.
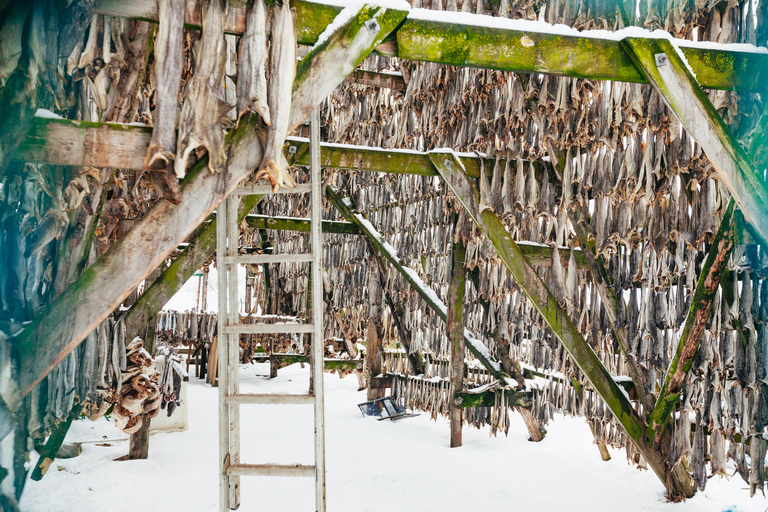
(224,408)
(230,328)
(233,351)
(318,349)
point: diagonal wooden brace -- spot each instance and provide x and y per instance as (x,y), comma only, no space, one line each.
(63,325)
(665,70)
(451,169)
(433,301)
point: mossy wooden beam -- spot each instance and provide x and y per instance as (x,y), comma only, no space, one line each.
(668,74)
(519,47)
(191,259)
(328,62)
(296,224)
(695,323)
(524,48)
(411,277)
(488,398)
(64,323)
(555,317)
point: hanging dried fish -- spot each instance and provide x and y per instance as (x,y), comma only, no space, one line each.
(282,72)
(486,200)
(169,61)
(200,120)
(252,66)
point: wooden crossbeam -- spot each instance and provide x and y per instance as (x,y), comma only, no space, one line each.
(62,326)
(669,75)
(295,224)
(450,168)
(464,39)
(433,301)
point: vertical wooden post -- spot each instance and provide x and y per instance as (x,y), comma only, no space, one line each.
(139,446)
(455,328)
(373,341)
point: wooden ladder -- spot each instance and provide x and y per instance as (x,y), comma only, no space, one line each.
(230,328)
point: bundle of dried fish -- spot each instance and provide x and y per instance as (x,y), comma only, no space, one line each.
(282,71)
(168,65)
(200,125)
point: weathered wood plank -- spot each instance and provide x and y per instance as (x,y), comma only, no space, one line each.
(450,167)
(680,90)
(61,327)
(83,143)
(695,323)
(433,301)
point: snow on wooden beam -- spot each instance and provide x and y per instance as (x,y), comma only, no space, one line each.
(463,39)
(695,323)
(451,169)
(62,326)
(672,79)
(425,292)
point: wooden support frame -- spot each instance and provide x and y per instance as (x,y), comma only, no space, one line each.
(62,326)
(451,168)
(668,74)
(474,345)
(695,323)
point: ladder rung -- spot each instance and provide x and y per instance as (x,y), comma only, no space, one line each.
(268,258)
(269,328)
(270,399)
(248,190)
(271,470)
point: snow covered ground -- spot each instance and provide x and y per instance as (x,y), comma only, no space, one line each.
(372,465)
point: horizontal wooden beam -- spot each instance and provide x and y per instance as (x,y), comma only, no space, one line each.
(464,39)
(84,143)
(392,81)
(330,364)
(295,224)
(488,398)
